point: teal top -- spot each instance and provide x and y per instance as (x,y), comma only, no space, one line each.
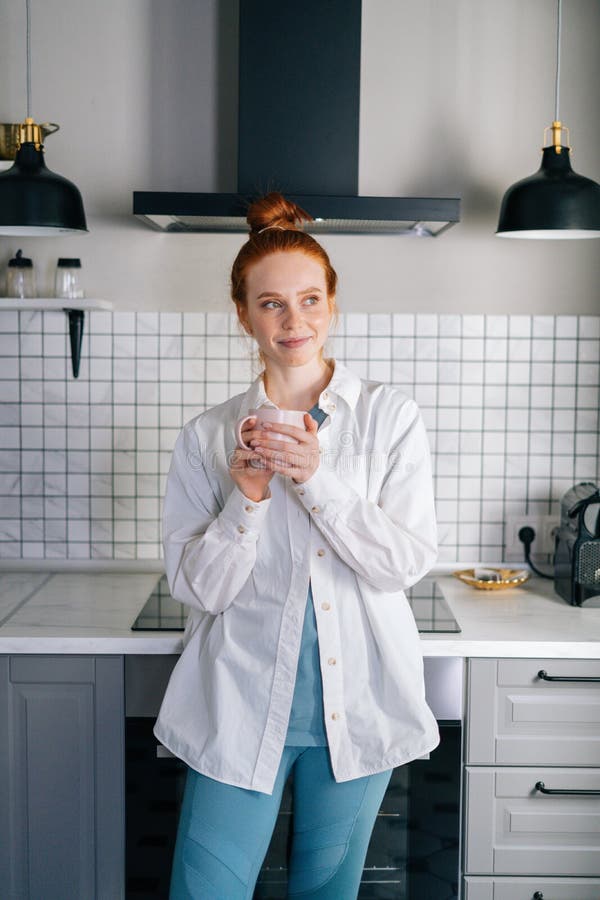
(306,726)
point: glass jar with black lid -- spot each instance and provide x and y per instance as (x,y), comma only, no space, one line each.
(20,277)
(67,284)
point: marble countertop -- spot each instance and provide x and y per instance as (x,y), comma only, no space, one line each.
(90,609)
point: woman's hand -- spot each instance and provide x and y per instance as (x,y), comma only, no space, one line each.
(253,483)
(297,461)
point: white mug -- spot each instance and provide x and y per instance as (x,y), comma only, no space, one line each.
(270,414)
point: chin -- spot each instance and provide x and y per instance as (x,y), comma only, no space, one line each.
(295,360)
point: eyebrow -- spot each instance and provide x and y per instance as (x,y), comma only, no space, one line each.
(308,290)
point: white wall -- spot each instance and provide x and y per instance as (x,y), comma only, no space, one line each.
(455,95)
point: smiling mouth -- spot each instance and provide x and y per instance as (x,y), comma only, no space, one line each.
(295,342)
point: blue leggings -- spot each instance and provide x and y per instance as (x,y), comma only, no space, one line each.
(224,832)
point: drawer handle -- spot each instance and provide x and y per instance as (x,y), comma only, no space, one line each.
(541,787)
(545,677)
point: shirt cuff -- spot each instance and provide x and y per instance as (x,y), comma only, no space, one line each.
(324,493)
(241,518)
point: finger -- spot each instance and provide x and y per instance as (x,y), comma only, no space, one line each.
(239,458)
(311,424)
(273,436)
(250,432)
(283,457)
(299,434)
(266,440)
(240,453)
(281,469)
(249,423)
(278,463)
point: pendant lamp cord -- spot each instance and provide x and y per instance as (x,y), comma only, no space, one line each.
(28,59)
(556,89)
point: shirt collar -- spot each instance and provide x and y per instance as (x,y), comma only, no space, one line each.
(255,397)
(343,384)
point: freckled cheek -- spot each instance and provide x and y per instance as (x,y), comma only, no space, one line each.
(320,320)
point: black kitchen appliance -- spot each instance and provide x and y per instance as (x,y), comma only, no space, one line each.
(430,609)
(414,849)
(577,549)
(304,140)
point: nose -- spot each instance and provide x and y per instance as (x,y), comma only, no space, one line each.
(293,317)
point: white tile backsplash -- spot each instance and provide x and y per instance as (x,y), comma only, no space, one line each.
(510,403)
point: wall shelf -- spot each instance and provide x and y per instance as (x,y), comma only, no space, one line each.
(75,310)
(53,303)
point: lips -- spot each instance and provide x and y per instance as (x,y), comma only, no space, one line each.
(294,342)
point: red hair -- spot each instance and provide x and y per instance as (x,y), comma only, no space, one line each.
(273,222)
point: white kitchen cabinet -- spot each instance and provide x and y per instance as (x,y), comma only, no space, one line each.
(62,791)
(513,829)
(517,718)
(532,889)
(527,736)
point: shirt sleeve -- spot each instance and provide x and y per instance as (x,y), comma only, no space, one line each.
(209,549)
(392,543)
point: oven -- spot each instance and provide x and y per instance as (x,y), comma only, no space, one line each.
(414,849)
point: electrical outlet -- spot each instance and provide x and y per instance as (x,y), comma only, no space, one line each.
(549,535)
(543,545)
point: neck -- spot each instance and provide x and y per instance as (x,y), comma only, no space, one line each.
(297,387)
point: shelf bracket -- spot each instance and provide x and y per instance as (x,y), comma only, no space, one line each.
(76,320)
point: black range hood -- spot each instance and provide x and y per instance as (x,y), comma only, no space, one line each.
(299,94)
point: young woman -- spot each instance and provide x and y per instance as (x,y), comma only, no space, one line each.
(301,653)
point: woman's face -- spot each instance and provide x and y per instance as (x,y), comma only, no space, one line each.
(287,310)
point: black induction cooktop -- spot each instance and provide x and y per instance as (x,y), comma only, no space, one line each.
(430,609)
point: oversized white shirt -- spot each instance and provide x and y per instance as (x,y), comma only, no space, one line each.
(361,528)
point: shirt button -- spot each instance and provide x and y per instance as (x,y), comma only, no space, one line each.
(332,661)
(331,406)
(320,553)
(249,508)
(314,509)
(241,529)
(325,606)
(325,395)
(335,715)
(300,491)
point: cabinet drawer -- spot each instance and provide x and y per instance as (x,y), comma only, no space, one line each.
(525,888)
(511,828)
(515,717)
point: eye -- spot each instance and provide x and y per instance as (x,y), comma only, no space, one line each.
(312,300)
(269,304)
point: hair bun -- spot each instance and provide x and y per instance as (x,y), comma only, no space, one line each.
(274,210)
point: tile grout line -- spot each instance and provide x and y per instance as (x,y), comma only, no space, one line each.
(20,474)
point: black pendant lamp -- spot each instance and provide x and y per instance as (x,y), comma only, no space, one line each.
(33,200)
(555,202)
